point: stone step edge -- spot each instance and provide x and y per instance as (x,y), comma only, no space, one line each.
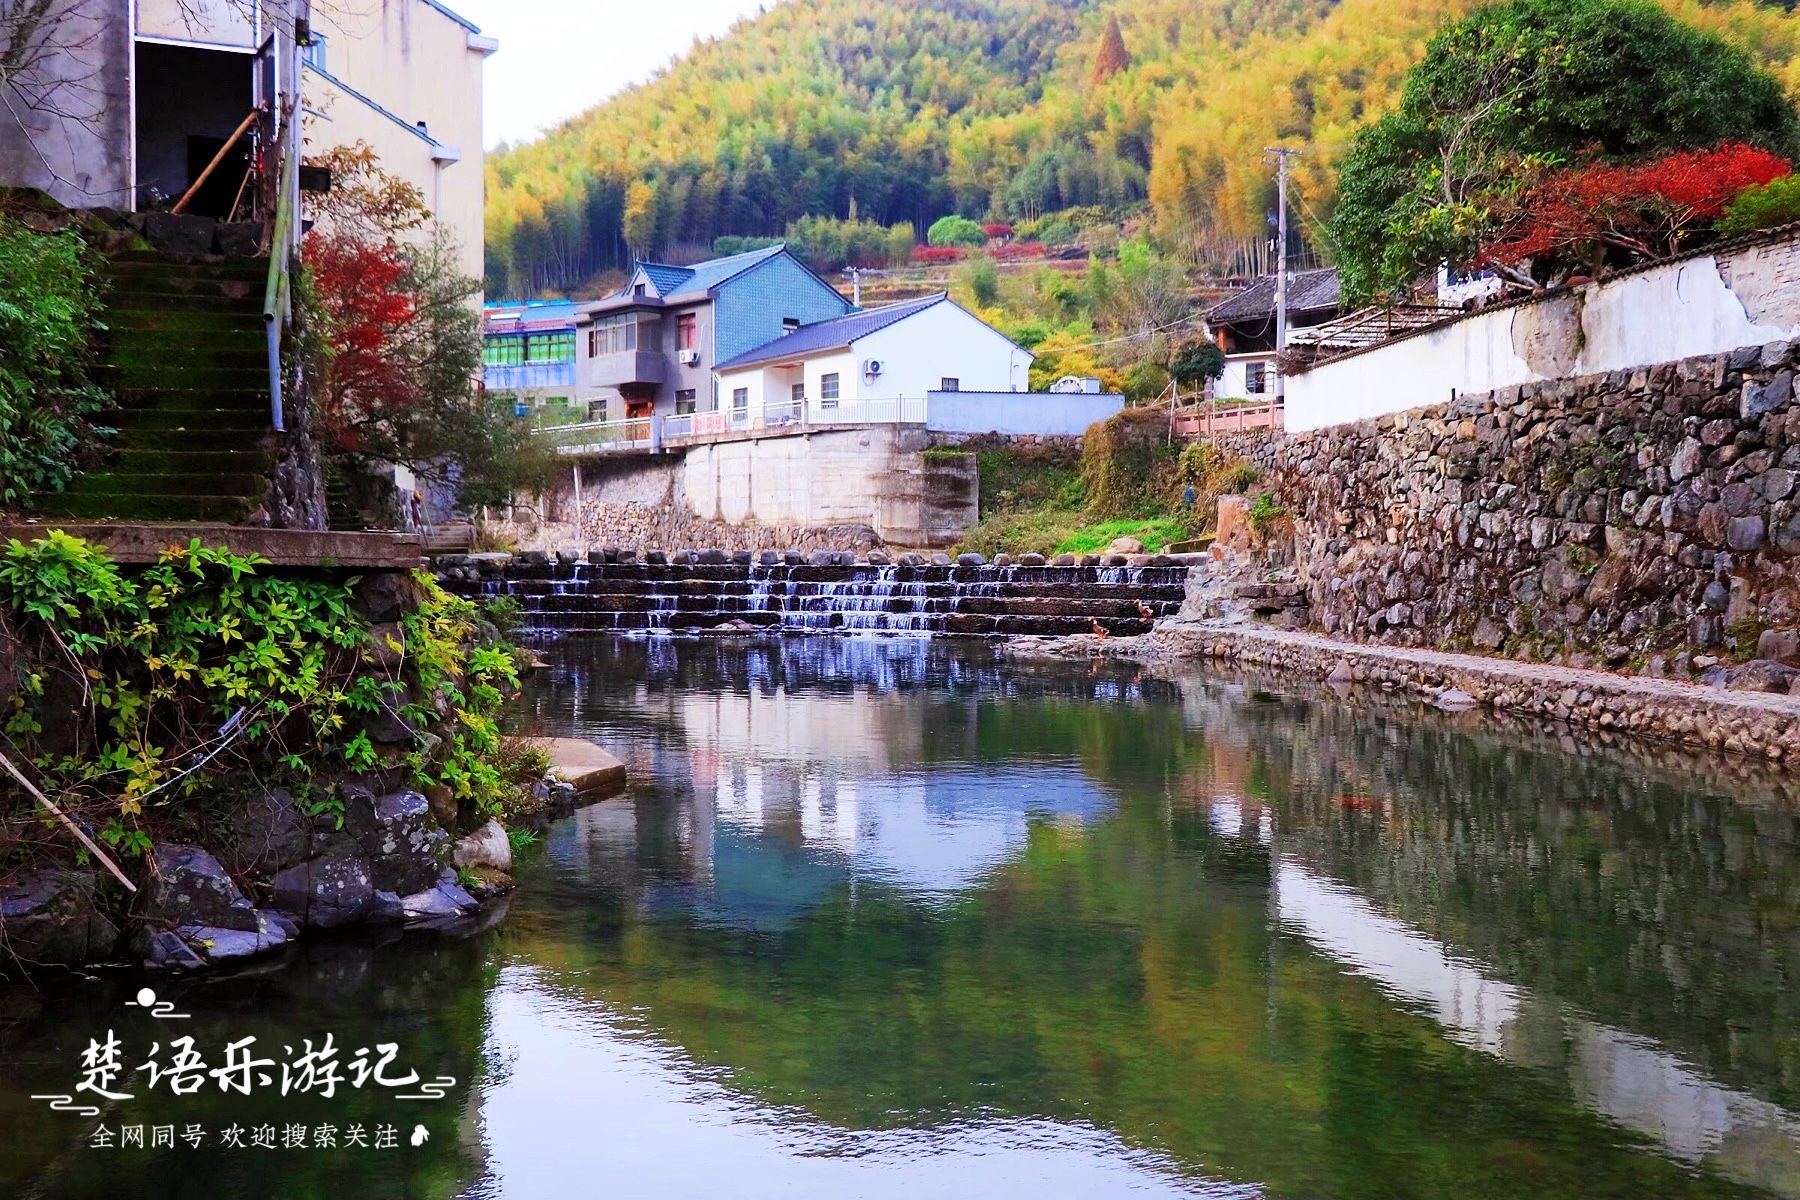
(1756,724)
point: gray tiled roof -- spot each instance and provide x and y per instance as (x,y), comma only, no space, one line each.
(1309,291)
(834,334)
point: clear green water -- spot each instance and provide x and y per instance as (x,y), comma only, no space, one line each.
(890,919)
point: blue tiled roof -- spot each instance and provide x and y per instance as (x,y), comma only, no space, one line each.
(834,334)
(668,280)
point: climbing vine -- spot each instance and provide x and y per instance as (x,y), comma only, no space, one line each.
(140,690)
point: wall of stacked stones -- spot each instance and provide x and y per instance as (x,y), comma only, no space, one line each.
(1645,520)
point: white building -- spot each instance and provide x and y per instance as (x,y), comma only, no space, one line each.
(901,351)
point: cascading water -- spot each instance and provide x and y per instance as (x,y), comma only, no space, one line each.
(562,600)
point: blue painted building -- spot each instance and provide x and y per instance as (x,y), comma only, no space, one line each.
(651,346)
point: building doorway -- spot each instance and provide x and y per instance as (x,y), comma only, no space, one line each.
(189,101)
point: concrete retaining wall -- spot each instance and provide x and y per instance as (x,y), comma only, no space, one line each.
(832,490)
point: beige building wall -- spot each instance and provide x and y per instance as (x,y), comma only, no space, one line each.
(388,65)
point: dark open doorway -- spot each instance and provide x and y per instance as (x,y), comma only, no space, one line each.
(189,101)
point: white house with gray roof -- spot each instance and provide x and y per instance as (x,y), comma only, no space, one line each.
(904,351)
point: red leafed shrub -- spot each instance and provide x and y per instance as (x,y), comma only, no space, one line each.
(359,290)
(938,254)
(1603,214)
(1016,251)
(997,229)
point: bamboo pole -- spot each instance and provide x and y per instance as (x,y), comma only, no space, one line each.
(75,829)
(217,159)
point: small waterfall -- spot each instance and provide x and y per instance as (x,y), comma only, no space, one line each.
(574,599)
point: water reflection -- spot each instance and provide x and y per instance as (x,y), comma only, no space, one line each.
(896,918)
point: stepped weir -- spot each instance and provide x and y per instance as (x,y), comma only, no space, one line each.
(559,599)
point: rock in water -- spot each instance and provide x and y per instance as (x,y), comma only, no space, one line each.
(486,847)
(191,888)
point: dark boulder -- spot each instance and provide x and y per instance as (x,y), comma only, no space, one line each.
(50,916)
(325,892)
(191,887)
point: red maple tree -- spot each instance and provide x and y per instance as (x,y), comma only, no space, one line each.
(361,296)
(1599,214)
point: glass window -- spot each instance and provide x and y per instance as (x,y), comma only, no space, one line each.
(740,398)
(597,410)
(949,383)
(506,350)
(613,335)
(548,348)
(684,402)
(650,335)
(799,393)
(687,332)
(1256,378)
(828,390)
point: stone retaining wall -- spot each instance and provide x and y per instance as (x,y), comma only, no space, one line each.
(1646,521)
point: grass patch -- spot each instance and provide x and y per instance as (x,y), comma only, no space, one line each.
(1156,533)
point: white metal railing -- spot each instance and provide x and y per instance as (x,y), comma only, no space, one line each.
(652,433)
(597,437)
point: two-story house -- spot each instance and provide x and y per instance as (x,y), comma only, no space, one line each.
(650,348)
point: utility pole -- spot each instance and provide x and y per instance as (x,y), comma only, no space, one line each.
(1282,156)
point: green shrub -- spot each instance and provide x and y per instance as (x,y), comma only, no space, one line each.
(1763,207)
(1128,464)
(49,314)
(956,231)
(146,689)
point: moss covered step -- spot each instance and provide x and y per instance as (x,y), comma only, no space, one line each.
(184,321)
(114,483)
(149,262)
(102,506)
(126,290)
(197,420)
(185,303)
(183,461)
(152,439)
(161,353)
(184,376)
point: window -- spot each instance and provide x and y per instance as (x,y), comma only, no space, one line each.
(684,402)
(740,399)
(638,291)
(597,410)
(650,335)
(789,324)
(313,52)
(949,383)
(506,350)
(799,393)
(828,390)
(1256,378)
(613,335)
(687,332)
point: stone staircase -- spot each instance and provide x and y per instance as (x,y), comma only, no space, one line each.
(560,599)
(186,359)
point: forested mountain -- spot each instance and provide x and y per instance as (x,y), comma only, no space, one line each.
(902,112)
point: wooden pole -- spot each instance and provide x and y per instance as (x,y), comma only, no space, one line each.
(73,828)
(217,159)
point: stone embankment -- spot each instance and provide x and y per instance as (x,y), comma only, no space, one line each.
(1250,617)
(1644,521)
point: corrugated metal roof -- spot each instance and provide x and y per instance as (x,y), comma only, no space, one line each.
(834,334)
(1309,291)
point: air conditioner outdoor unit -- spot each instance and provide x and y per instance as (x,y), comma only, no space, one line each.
(873,367)
(689,358)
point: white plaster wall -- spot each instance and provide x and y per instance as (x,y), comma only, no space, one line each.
(1234,384)
(944,340)
(1703,305)
(1052,414)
